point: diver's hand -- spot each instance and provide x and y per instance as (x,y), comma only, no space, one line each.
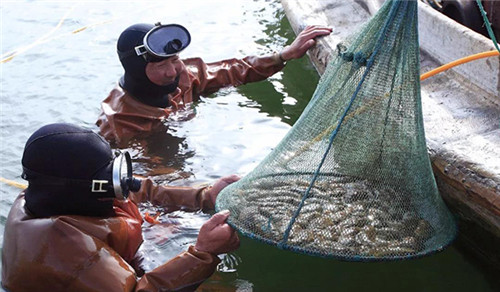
(216,236)
(304,41)
(219,185)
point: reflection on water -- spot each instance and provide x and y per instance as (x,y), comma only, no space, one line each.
(161,155)
(64,77)
(229,134)
(172,234)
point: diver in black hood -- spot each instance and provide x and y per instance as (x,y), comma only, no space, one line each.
(163,42)
(77,227)
(157,82)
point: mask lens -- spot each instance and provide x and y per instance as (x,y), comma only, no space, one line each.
(117,173)
(124,171)
(173,46)
(121,172)
(123,180)
(167,40)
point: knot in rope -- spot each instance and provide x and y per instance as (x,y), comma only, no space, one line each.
(360,59)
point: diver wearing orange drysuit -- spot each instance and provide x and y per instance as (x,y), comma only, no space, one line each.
(159,82)
(94,251)
(123,116)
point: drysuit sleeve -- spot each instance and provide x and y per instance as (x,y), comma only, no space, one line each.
(173,197)
(209,77)
(109,272)
(185,272)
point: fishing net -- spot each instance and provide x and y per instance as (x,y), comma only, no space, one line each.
(352,179)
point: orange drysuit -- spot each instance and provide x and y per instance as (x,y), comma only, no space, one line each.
(124,117)
(79,253)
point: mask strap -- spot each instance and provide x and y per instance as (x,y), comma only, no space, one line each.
(98,188)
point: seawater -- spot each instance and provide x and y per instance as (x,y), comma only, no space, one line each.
(61,73)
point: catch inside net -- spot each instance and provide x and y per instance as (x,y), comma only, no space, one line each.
(352,179)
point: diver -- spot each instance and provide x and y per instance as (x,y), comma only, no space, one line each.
(77,226)
(157,81)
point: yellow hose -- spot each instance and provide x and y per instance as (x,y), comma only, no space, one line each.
(13,183)
(6,57)
(459,62)
(10,55)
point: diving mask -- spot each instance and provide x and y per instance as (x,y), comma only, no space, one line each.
(122,181)
(163,41)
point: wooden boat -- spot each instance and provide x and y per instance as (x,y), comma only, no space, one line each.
(461,109)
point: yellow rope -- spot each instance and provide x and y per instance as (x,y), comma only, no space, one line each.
(13,183)
(10,55)
(459,62)
(91,25)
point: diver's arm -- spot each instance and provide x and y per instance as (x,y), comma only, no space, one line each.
(176,197)
(106,271)
(187,270)
(192,267)
(210,77)
(173,196)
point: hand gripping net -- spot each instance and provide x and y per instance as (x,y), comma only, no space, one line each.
(352,179)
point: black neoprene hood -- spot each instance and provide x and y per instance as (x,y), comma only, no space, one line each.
(135,80)
(54,157)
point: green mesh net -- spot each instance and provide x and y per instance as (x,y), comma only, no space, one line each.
(352,179)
